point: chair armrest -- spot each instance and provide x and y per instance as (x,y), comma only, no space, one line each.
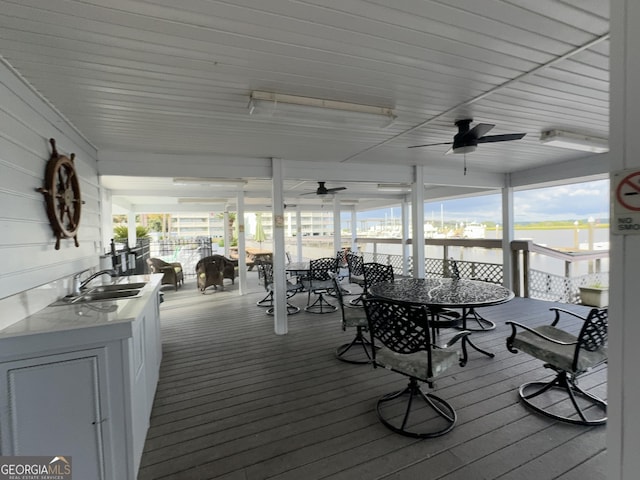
(532,331)
(458,336)
(562,310)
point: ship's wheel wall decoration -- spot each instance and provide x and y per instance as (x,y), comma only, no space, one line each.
(62,195)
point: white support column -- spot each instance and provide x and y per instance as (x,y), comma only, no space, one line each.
(280,323)
(354,229)
(242,244)
(299,235)
(337,224)
(226,232)
(623,426)
(131,221)
(507,233)
(417,221)
(406,248)
(106,218)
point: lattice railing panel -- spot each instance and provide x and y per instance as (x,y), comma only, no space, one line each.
(487,272)
(437,267)
(556,288)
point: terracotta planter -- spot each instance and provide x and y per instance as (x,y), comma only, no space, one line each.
(595,296)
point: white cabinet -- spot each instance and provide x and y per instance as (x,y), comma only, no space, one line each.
(83,392)
(56,406)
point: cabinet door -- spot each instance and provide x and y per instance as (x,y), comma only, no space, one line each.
(53,408)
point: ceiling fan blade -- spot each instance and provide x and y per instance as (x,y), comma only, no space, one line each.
(479,130)
(501,138)
(309,193)
(431,145)
(449,152)
(335,189)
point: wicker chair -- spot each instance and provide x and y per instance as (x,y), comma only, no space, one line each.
(172,272)
(569,356)
(212,270)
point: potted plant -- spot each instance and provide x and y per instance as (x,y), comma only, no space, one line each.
(595,295)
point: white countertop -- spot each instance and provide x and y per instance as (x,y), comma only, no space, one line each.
(75,317)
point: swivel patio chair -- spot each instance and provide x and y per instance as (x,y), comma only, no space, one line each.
(569,356)
(320,283)
(353,316)
(376,272)
(265,270)
(342,269)
(356,275)
(402,332)
(482,324)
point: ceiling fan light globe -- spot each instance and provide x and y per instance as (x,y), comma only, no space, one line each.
(465,149)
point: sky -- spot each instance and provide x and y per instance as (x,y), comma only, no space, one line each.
(568,202)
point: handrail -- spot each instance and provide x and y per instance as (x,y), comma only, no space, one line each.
(516,245)
(520,251)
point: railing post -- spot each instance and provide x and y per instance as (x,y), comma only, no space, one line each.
(445,259)
(525,270)
(515,256)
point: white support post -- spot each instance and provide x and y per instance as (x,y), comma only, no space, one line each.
(354,229)
(507,233)
(623,426)
(417,219)
(280,322)
(337,225)
(242,244)
(406,252)
(299,235)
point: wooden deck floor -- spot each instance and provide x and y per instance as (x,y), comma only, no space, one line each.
(237,402)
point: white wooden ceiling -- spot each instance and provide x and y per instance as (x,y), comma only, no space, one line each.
(166,83)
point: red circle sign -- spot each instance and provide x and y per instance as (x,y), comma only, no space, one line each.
(628,192)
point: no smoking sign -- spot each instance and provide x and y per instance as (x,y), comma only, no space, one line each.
(626,202)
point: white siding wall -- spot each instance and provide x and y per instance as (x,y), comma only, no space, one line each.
(33,273)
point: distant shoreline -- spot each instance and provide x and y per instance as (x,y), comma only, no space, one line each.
(558,227)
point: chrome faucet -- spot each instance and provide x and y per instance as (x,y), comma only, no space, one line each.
(78,285)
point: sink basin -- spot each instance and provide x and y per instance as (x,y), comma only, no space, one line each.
(94,296)
(98,296)
(117,287)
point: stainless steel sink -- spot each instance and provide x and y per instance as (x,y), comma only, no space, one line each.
(117,287)
(97,295)
(94,296)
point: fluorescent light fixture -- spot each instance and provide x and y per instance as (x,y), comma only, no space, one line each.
(394,187)
(342,202)
(209,182)
(310,109)
(222,201)
(574,141)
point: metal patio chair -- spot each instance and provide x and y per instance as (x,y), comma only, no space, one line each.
(320,283)
(403,333)
(353,317)
(569,356)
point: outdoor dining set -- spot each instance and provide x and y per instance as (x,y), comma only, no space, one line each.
(398,322)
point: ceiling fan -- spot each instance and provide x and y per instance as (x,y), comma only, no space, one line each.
(467,140)
(322,190)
